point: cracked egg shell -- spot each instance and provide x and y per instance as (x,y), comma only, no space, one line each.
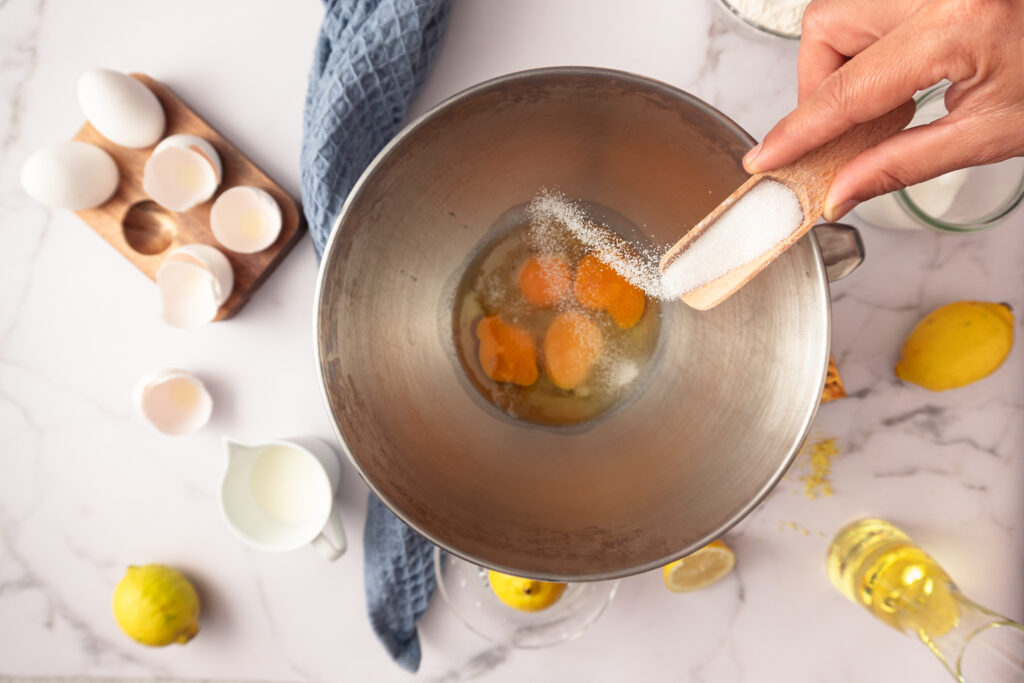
(174,401)
(182,172)
(245,219)
(193,281)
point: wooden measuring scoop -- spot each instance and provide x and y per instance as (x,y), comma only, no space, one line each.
(809,177)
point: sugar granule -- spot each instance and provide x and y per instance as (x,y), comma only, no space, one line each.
(624,373)
(758,221)
(551,212)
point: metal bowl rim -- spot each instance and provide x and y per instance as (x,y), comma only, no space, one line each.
(441,108)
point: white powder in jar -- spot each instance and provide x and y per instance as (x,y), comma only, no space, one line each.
(781,16)
(759,220)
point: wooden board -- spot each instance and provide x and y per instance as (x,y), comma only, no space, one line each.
(145,233)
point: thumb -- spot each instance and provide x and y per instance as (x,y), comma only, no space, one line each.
(907,158)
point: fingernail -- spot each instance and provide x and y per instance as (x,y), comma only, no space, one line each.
(834,213)
(748,158)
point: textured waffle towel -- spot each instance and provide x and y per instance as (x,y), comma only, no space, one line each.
(371,58)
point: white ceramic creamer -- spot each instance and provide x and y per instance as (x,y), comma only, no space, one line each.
(279,495)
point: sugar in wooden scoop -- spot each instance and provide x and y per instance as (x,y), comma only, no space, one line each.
(764,216)
(758,221)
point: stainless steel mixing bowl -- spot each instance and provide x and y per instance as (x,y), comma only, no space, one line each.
(727,403)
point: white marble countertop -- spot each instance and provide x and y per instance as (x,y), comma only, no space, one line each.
(86,488)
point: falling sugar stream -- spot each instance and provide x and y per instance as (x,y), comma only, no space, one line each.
(728,244)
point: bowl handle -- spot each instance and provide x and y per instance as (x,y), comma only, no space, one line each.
(841,249)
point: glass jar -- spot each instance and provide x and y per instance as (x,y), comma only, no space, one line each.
(746,13)
(966,200)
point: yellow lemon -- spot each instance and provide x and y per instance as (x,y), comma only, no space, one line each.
(701,568)
(156,605)
(957,344)
(528,595)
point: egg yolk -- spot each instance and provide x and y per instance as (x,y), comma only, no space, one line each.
(545,280)
(571,347)
(599,288)
(507,352)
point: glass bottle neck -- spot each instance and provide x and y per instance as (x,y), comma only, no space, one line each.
(980,646)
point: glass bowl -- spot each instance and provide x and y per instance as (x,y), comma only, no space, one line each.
(990,194)
(752,24)
(464,586)
(978,198)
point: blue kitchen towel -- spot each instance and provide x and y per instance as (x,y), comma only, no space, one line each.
(371,58)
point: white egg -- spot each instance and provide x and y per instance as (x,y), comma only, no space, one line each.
(182,172)
(121,108)
(194,281)
(70,175)
(245,219)
(174,401)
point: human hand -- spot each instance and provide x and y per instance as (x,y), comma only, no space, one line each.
(862,58)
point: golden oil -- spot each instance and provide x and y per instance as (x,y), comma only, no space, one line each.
(876,565)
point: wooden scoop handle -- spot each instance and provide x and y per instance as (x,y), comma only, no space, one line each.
(809,177)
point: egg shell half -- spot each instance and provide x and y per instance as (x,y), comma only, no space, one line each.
(174,401)
(182,172)
(193,282)
(197,145)
(245,219)
(213,260)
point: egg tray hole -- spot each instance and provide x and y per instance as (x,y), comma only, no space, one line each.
(148,227)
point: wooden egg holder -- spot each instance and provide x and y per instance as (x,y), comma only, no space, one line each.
(145,232)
